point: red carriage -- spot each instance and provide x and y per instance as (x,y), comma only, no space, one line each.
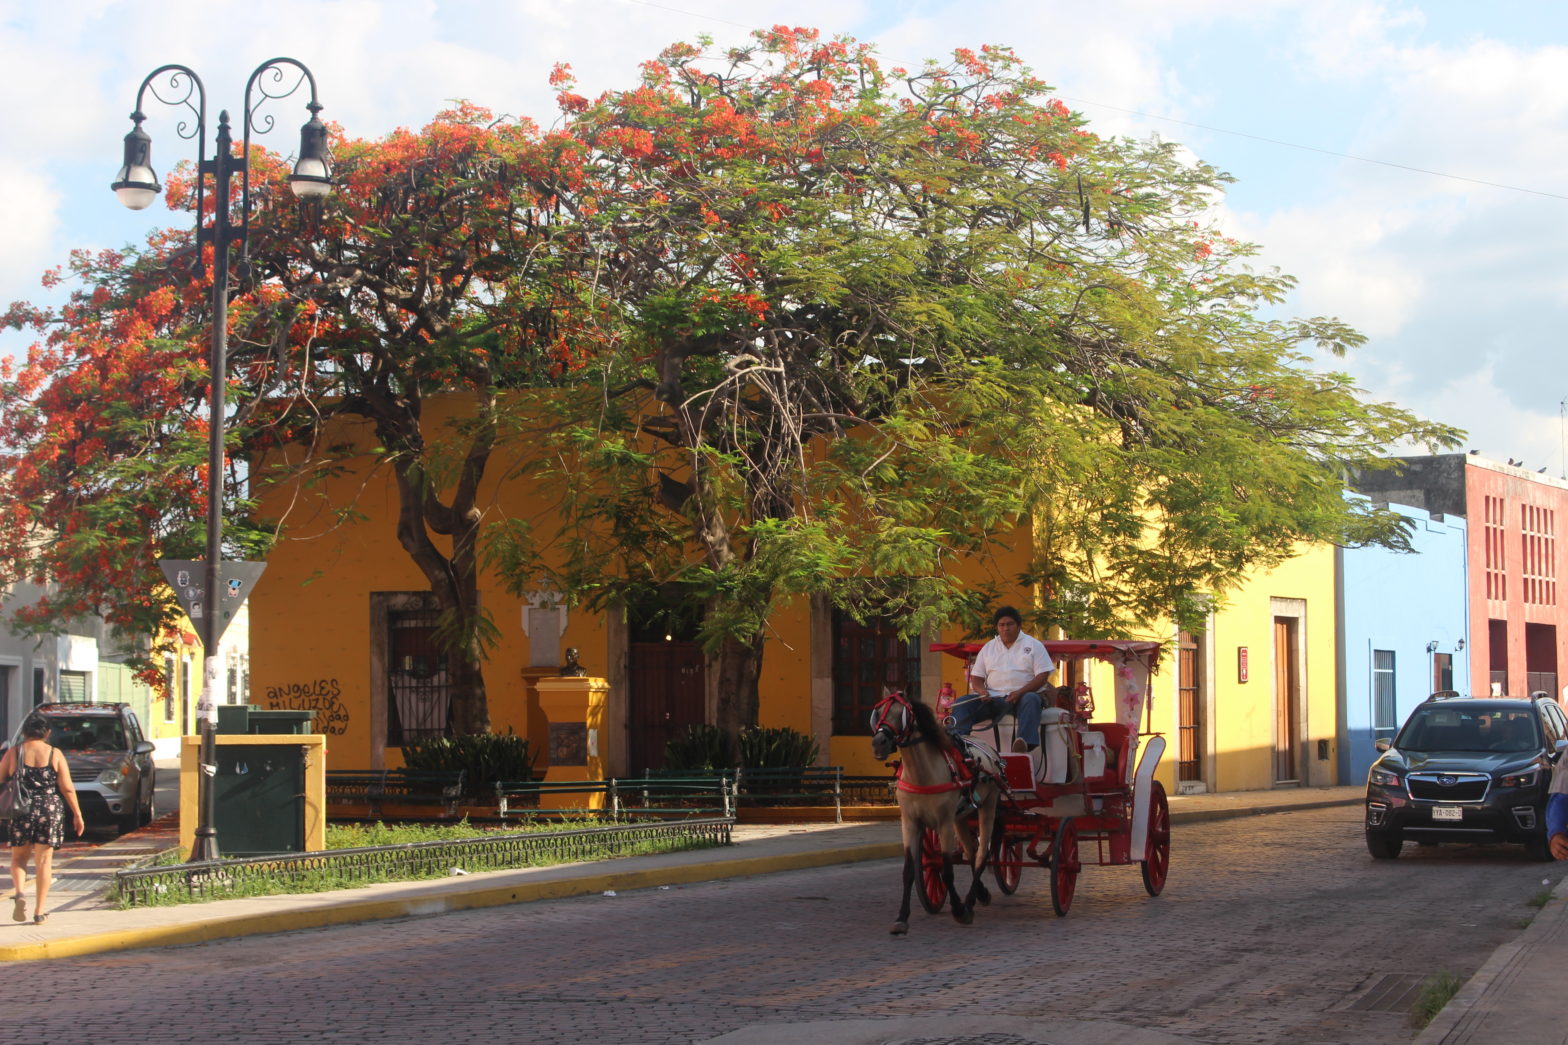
(1087,794)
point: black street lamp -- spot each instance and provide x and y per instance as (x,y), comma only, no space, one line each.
(136,185)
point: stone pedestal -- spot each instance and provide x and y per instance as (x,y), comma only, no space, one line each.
(575,710)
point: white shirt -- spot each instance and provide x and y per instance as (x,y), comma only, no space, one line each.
(1006,669)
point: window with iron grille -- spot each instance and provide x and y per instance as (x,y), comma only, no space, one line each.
(869,659)
(1539,548)
(1496,558)
(171,682)
(1384,709)
(419,686)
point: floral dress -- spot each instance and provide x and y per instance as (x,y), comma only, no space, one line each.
(45,824)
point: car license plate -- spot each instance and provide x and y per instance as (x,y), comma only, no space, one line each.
(1448,813)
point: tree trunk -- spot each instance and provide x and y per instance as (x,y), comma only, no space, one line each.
(736,666)
(454,584)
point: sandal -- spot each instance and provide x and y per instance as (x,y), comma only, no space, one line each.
(18,908)
(39,919)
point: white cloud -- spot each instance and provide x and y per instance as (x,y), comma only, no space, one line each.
(28,204)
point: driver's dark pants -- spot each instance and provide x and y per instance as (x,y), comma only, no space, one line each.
(972,708)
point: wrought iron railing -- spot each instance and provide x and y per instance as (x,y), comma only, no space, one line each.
(345,868)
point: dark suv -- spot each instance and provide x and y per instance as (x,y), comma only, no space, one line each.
(1465,769)
(109,758)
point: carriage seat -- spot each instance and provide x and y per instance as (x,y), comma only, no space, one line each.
(1112,744)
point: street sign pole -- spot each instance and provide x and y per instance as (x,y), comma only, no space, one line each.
(211,603)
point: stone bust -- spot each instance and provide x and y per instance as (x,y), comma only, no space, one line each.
(571,669)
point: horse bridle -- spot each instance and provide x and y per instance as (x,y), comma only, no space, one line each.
(908,734)
(881,720)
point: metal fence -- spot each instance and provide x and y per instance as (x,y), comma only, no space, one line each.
(343,868)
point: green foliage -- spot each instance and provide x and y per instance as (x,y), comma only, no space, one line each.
(763,747)
(1436,991)
(483,757)
(870,324)
(702,750)
(706,749)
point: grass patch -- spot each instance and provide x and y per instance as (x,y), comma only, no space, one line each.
(224,884)
(1541,898)
(1438,990)
(355,836)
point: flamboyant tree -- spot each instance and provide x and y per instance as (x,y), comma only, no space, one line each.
(871,319)
(435,269)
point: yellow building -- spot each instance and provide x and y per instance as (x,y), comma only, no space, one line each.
(342,624)
(172,715)
(1249,703)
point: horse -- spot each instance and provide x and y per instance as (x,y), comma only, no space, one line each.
(933,784)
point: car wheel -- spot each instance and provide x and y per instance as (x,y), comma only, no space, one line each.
(147,812)
(1384,845)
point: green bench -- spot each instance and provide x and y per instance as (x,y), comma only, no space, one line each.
(666,797)
(376,788)
(522,797)
(791,786)
(623,798)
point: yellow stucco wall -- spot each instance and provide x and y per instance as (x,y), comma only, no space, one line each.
(1241,724)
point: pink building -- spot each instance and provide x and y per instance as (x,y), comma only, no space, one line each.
(1518,625)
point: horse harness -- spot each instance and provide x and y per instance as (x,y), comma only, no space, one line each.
(964,772)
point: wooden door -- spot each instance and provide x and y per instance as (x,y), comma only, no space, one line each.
(1287,700)
(666,693)
(1189,758)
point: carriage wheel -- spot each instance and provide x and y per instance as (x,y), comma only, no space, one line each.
(1064,867)
(1008,865)
(1157,850)
(932,890)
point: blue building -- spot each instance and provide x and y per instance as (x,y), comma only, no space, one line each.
(1403,632)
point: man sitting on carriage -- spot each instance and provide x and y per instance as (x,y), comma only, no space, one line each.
(1006,678)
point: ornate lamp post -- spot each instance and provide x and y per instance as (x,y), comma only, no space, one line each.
(136,185)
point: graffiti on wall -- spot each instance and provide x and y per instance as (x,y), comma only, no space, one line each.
(323,696)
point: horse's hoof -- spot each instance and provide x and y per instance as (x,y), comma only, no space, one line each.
(899,929)
(964,915)
(984,896)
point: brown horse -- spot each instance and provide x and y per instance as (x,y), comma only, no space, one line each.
(934,784)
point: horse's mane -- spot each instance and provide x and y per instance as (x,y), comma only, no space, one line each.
(925,718)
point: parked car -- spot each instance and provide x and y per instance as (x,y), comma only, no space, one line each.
(110,761)
(1465,769)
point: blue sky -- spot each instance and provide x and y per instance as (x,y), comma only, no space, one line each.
(1461,286)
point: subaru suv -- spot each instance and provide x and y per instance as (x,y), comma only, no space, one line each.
(1465,769)
(110,761)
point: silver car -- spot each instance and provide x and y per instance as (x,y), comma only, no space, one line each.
(110,760)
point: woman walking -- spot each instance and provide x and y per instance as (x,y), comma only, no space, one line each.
(39,833)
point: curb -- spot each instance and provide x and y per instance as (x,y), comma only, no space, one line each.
(1458,1021)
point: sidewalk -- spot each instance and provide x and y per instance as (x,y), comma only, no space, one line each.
(82,922)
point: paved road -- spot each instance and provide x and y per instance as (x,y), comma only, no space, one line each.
(1272,929)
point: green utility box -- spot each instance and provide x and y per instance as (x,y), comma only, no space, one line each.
(248,718)
(280,721)
(259,798)
(235,718)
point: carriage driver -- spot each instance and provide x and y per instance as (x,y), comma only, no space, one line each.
(1006,679)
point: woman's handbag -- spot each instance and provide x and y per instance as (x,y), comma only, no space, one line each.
(16,800)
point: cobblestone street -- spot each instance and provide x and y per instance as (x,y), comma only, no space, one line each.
(1272,929)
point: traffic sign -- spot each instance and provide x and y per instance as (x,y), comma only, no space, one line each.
(188,578)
